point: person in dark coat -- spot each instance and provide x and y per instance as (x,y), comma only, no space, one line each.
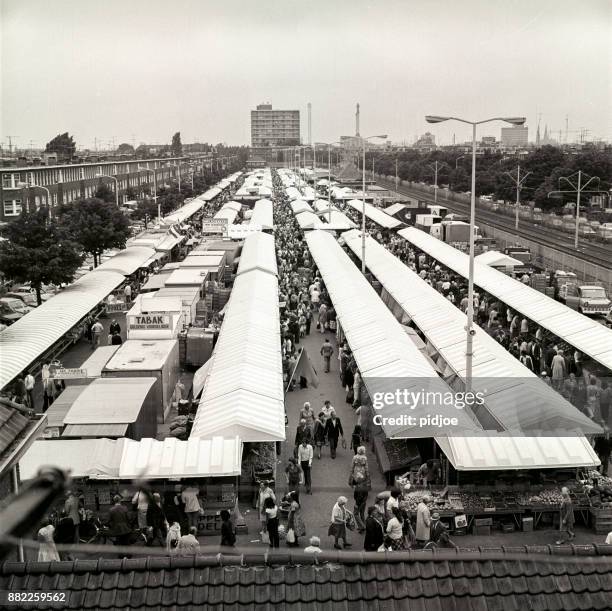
(374,530)
(156,520)
(64,533)
(333,430)
(119,522)
(228,531)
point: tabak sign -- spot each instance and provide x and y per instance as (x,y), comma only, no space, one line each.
(215,226)
(146,322)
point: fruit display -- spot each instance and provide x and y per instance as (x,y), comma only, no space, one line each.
(547,497)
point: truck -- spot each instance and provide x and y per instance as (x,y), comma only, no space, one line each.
(522,253)
(588,299)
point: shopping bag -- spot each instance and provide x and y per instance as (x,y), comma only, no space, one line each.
(344,443)
(265,537)
(291,536)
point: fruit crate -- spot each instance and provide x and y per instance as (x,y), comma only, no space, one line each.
(602,519)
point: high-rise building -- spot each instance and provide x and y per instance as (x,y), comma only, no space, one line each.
(514,137)
(273,130)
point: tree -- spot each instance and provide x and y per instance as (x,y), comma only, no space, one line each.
(63,145)
(37,250)
(96,225)
(146,211)
(125,149)
(105,193)
(176,147)
(142,151)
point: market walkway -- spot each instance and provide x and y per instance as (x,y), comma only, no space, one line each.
(329,476)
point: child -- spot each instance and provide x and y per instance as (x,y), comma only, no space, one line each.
(356,438)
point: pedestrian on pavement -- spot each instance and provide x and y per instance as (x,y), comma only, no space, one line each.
(293,473)
(303,431)
(116,340)
(119,522)
(264,492)
(558,369)
(337,527)
(307,414)
(96,333)
(327,351)
(323,318)
(295,522)
(156,520)
(423,522)
(360,481)
(29,382)
(190,495)
(314,547)
(439,533)
(64,534)
(228,530)
(47,552)
(566,522)
(71,507)
(114,328)
(305,455)
(189,545)
(395,530)
(271,513)
(127,292)
(173,537)
(374,530)
(333,430)
(319,433)
(141,501)
(356,438)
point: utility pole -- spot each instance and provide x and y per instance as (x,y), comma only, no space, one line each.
(518,181)
(435,168)
(396,176)
(577,188)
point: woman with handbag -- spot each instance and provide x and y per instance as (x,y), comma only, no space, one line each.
(337,528)
(271,512)
(395,530)
(295,523)
(375,532)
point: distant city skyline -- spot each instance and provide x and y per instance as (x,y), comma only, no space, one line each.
(199,67)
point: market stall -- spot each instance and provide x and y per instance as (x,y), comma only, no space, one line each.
(189,296)
(114,408)
(149,358)
(155,317)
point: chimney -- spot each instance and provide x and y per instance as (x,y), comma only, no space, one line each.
(357,121)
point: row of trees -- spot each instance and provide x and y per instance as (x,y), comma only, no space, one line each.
(546,164)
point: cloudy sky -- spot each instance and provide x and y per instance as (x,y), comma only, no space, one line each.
(139,70)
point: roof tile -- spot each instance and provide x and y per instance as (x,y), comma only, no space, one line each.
(107,598)
(92,599)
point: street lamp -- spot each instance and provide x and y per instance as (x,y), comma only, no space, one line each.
(518,181)
(470,312)
(437,165)
(116,186)
(363,214)
(329,147)
(154,191)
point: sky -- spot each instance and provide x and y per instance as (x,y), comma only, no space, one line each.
(139,70)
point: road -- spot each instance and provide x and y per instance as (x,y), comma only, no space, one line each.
(598,254)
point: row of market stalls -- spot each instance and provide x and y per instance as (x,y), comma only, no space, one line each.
(374,214)
(579,331)
(489,471)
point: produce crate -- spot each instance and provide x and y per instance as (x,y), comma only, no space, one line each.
(527,524)
(484,531)
(483,522)
(508,528)
(602,519)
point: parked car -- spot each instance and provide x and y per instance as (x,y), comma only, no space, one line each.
(11,310)
(28,294)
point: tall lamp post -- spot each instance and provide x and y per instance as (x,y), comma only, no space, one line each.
(363,196)
(518,181)
(329,148)
(470,312)
(116,185)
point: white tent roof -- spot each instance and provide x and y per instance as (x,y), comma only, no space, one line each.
(309,220)
(586,335)
(498,452)
(394,208)
(210,194)
(31,336)
(172,458)
(262,214)
(495,258)
(95,458)
(258,253)
(245,376)
(374,214)
(228,213)
(127,261)
(184,212)
(96,362)
(381,348)
(188,276)
(300,205)
(514,395)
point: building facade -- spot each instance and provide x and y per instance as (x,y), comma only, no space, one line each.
(514,137)
(33,186)
(273,130)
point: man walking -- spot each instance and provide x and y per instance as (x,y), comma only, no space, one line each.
(305,455)
(423,522)
(96,332)
(327,351)
(29,382)
(333,429)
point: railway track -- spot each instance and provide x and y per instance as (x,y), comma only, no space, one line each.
(589,252)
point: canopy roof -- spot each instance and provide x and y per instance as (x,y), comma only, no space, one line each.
(516,398)
(210,194)
(95,363)
(243,392)
(227,212)
(394,208)
(385,355)
(258,253)
(499,453)
(293,193)
(141,355)
(169,242)
(31,336)
(173,458)
(300,205)
(188,276)
(586,335)
(374,214)
(184,212)
(495,258)
(127,261)
(96,458)
(262,214)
